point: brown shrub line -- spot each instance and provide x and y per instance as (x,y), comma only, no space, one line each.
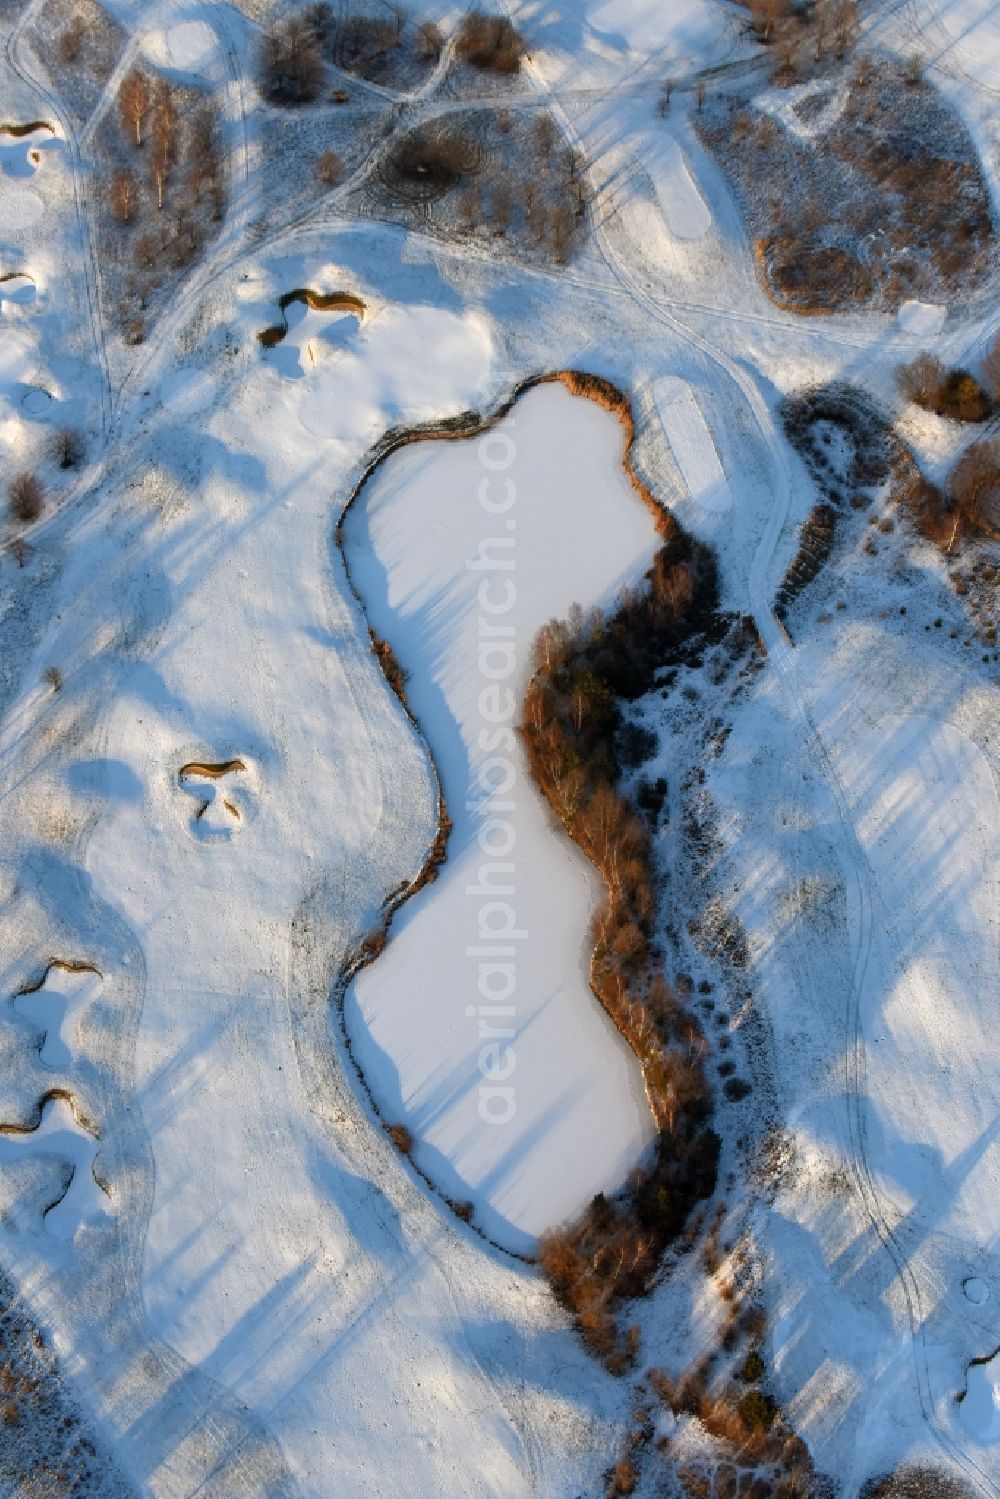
(335,301)
(19,130)
(677,598)
(584,668)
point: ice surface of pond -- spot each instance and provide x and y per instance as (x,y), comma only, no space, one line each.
(529,1108)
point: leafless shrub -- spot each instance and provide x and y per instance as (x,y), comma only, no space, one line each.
(54,678)
(428,162)
(329,168)
(974,486)
(123,196)
(70,43)
(490,43)
(920,377)
(623,1478)
(68,447)
(26,497)
(400,1137)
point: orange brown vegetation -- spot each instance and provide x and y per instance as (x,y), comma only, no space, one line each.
(583,669)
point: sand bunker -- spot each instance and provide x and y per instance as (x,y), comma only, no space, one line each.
(60,1134)
(55,1006)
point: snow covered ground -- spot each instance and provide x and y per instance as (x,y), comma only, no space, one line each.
(208,792)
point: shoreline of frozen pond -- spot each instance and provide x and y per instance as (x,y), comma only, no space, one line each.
(477,1027)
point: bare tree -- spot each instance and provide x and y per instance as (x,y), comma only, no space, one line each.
(700,94)
(133,103)
(545,134)
(329,168)
(322,22)
(975,485)
(147,249)
(919,379)
(762,15)
(124,195)
(561,234)
(430,42)
(501,208)
(846,25)
(291,63)
(490,43)
(162,139)
(26,498)
(204,167)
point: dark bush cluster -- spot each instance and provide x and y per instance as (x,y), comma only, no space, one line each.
(888,203)
(291,63)
(428,162)
(954,393)
(27,498)
(968,505)
(490,43)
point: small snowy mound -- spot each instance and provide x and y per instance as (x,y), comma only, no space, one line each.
(188,391)
(21,208)
(190,45)
(979,1411)
(684,209)
(921,318)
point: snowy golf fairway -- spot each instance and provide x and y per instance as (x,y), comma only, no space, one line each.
(568,1117)
(324,1172)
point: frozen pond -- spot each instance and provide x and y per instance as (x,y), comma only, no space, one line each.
(520,1094)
